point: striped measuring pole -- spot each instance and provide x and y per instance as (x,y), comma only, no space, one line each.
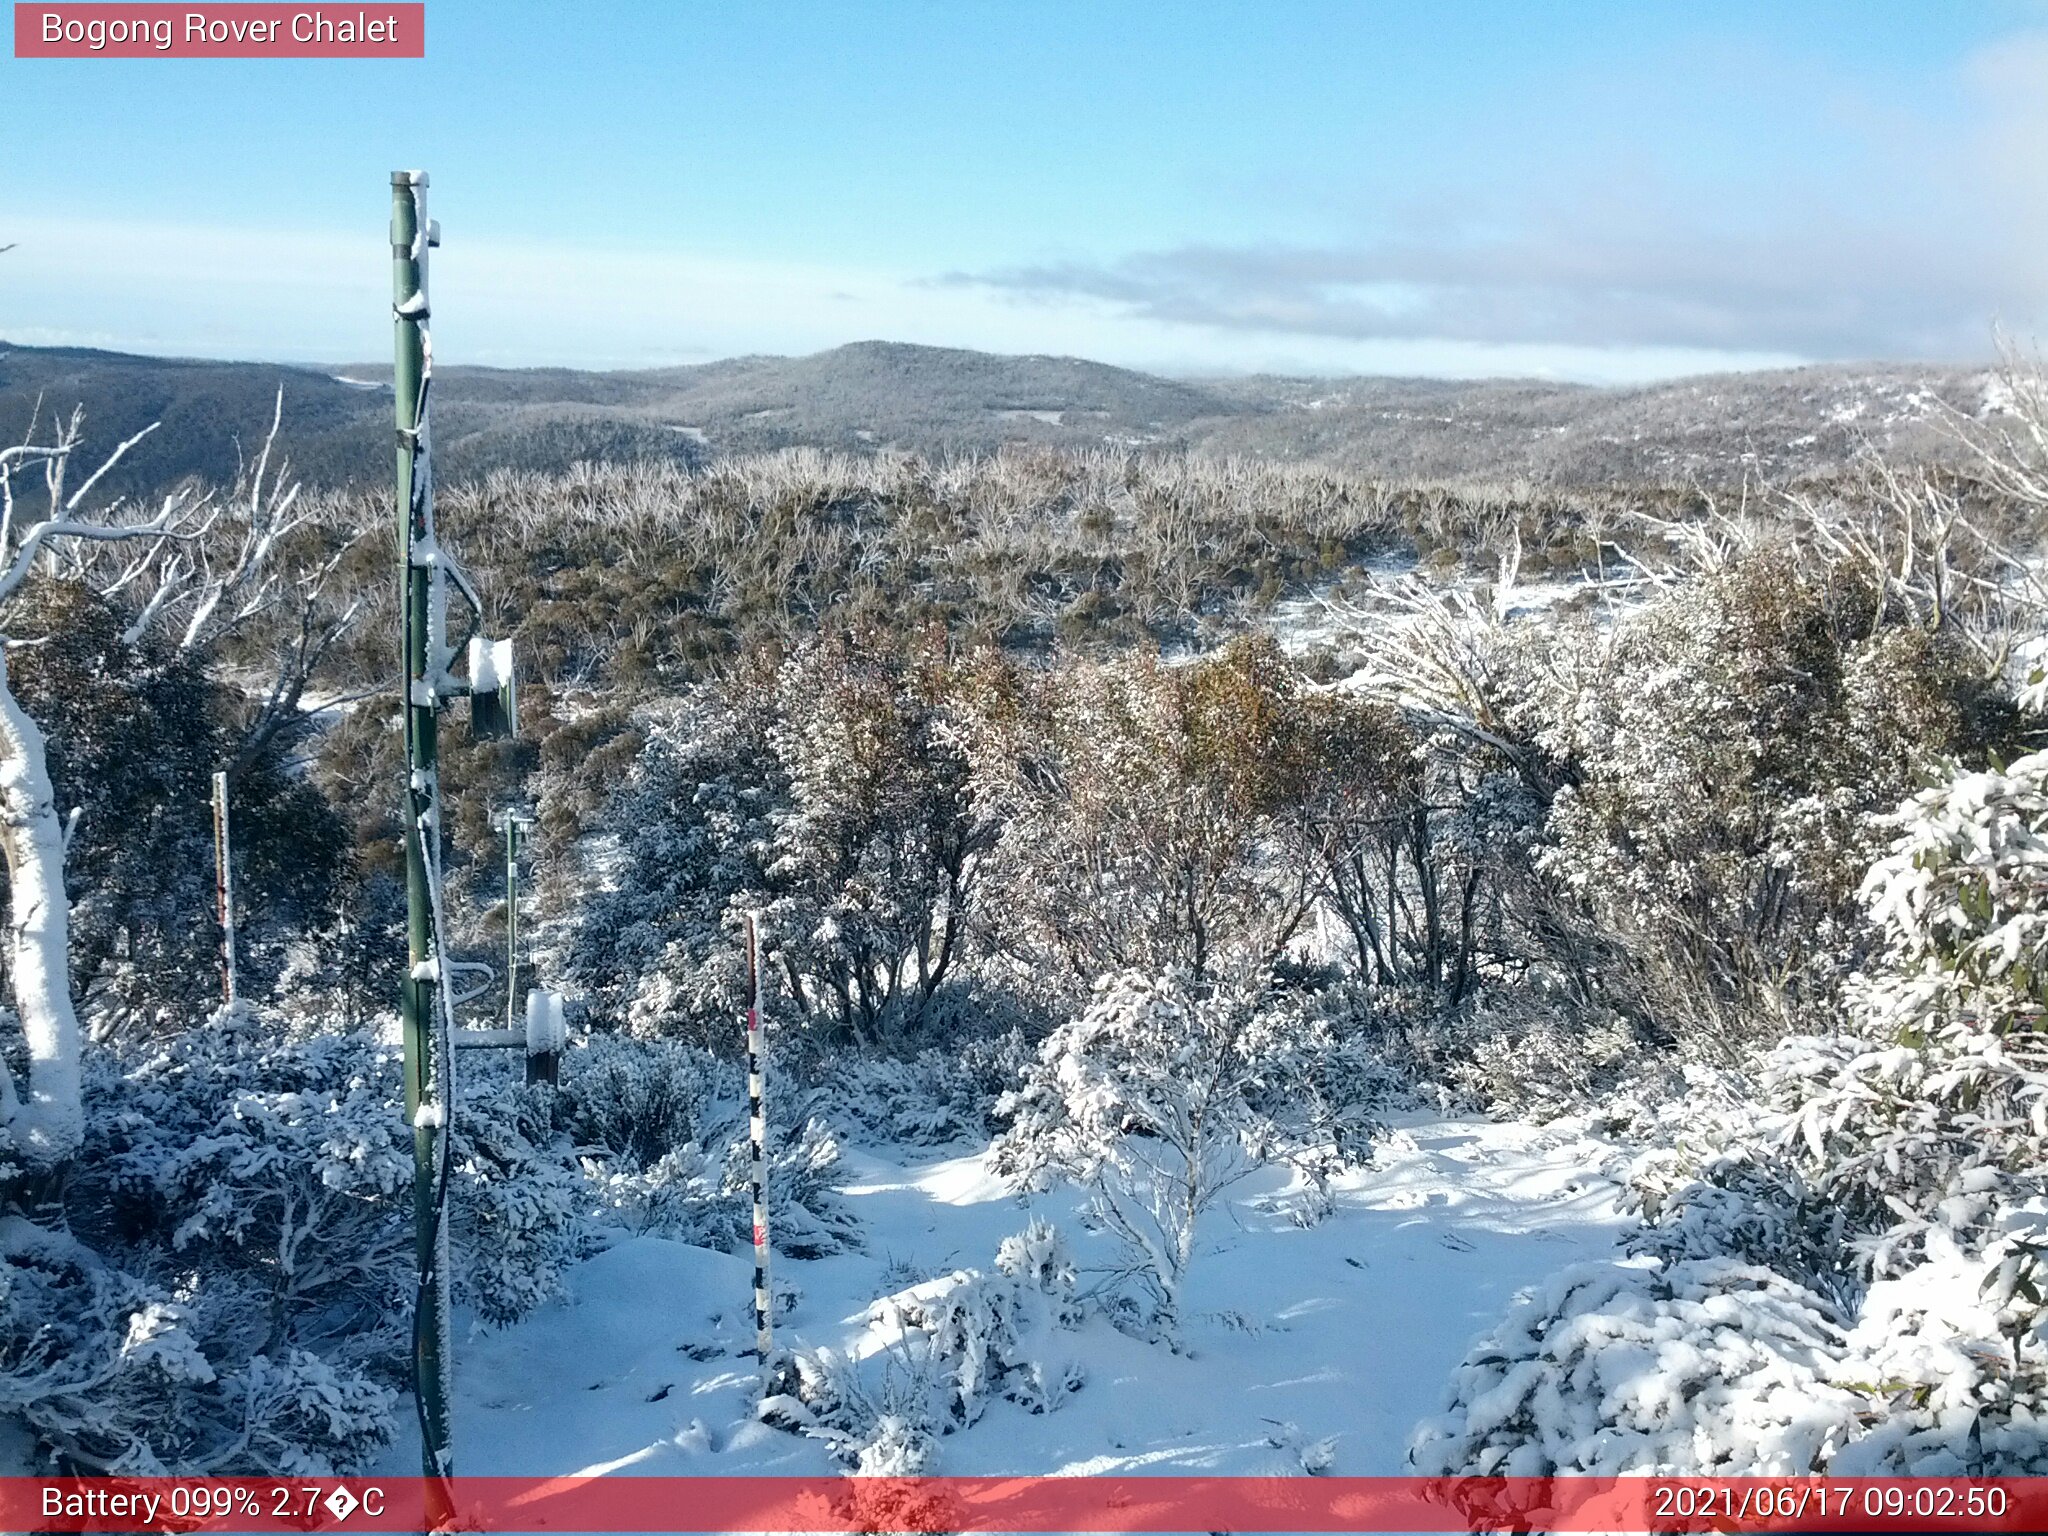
(224,886)
(764,1301)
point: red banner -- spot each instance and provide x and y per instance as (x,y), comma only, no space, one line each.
(1138,1504)
(102,31)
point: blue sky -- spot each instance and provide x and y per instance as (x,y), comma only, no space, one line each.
(1587,190)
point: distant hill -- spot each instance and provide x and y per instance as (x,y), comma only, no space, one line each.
(1708,429)
(874,395)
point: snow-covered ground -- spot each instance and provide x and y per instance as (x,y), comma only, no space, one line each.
(1345,1331)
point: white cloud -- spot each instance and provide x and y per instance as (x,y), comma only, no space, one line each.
(219,292)
(1927,228)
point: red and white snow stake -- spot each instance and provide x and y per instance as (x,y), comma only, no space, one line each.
(764,1300)
(224,887)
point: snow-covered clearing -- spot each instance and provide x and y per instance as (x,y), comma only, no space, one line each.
(1346,1331)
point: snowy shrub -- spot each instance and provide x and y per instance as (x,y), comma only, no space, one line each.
(1892,1187)
(1703,1366)
(243,1302)
(1142,1099)
(1726,1175)
(932,1099)
(683,1195)
(642,1099)
(1528,1053)
(1316,1085)
(674,1196)
(943,1351)
(660,1132)
(831,795)
(108,1371)
(280,1174)
(1725,751)
(1153,816)
(653,941)
(289,1167)
(806,1218)
(1163,1095)
(1949,1359)
(516,1205)
(1937,1120)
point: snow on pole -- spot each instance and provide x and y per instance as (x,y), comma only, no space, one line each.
(764,1301)
(423,1005)
(224,888)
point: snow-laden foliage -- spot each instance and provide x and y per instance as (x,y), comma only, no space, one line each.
(266,1189)
(238,1270)
(806,1218)
(1704,1365)
(831,796)
(1142,1099)
(115,1375)
(1948,1356)
(1894,1186)
(877,856)
(642,1099)
(281,1166)
(660,1131)
(934,1098)
(1532,1052)
(517,1207)
(1159,818)
(1722,754)
(653,944)
(1162,1095)
(938,1354)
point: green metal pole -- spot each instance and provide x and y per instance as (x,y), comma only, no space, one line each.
(426,1072)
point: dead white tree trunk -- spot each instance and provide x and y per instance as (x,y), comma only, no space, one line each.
(48,1123)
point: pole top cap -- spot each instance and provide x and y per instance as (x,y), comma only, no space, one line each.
(408,178)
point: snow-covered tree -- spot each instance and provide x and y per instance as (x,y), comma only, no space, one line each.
(1161,817)
(202,571)
(878,856)
(679,854)
(832,797)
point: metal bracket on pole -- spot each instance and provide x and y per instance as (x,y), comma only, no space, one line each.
(450,969)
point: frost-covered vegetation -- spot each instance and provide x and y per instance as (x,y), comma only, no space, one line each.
(1727,840)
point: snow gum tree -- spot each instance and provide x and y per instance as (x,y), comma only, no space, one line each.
(200,570)
(833,794)
(1162,818)
(878,857)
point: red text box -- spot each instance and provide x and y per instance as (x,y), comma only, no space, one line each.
(266,31)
